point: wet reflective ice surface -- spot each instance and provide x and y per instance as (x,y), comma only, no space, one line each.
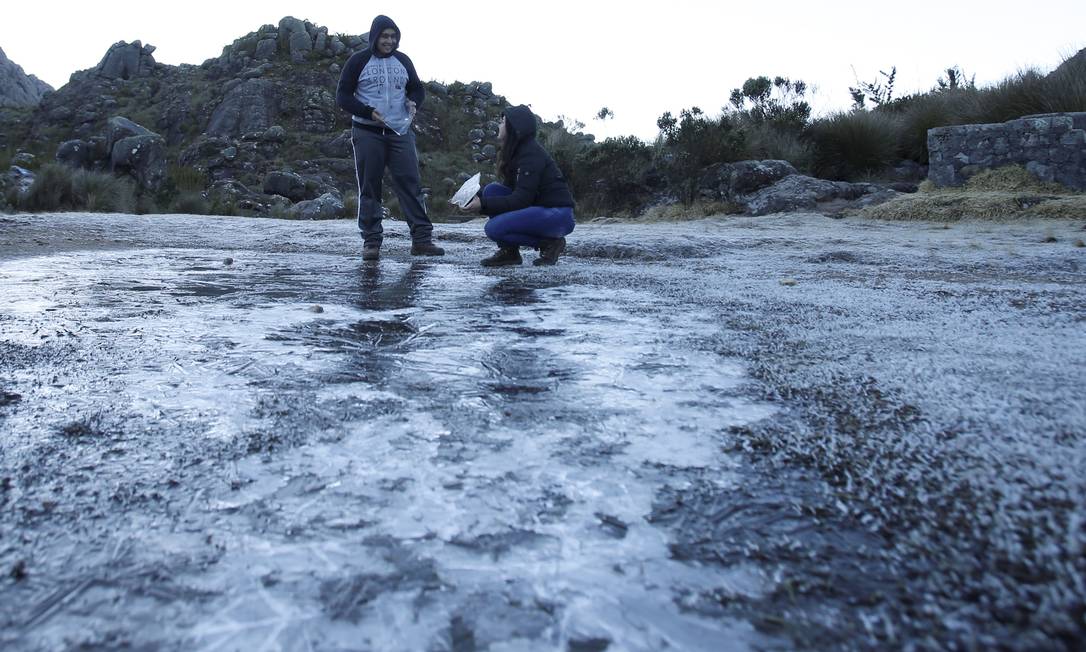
(726,434)
(303,451)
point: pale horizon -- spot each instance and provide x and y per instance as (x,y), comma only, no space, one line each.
(575,58)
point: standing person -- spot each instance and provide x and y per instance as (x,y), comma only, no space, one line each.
(534,208)
(381,90)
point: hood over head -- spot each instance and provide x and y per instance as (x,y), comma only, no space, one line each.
(380,24)
(521,122)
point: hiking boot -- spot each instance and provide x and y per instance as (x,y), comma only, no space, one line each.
(549,250)
(426,249)
(371,252)
(504,256)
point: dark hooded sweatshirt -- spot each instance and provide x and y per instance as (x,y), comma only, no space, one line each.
(538,181)
(352,71)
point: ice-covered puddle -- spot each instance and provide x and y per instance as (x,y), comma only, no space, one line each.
(408,455)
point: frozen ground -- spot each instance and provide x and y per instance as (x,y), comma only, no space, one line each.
(232,434)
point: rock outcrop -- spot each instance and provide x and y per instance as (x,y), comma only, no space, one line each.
(18,88)
(250,106)
(126,60)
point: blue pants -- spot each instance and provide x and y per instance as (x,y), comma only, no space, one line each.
(374,151)
(525,227)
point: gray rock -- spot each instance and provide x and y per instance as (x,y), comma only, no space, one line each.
(318,112)
(74,153)
(18,88)
(266,49)
(17,178)
(734,181)
(802,193)
(259,71)
(299,42)
(437,88)
(340,146)
(126,60)
(119,128)
(489,152)
(253,105)
(320,40)
(337,46)
(274,134)
(285,184)
(326,207)
(142,157)
(23,159)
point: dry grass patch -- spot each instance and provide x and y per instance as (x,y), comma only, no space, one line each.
(1007,193)
(695,211)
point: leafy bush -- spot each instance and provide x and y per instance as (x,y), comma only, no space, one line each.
(610,176)
(187,179)
(59,188)
(190,203)
(764,141)
(694,141)
(778,102)
(919,113)
(851,145)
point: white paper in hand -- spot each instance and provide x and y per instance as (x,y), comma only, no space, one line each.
(467,191)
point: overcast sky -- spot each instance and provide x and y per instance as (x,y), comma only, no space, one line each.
(640,59)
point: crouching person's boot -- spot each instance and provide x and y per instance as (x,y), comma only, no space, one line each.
(504,256)
(549,250)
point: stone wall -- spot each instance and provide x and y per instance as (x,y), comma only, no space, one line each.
(1052,147)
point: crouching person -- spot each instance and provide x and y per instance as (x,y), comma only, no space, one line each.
(534,207)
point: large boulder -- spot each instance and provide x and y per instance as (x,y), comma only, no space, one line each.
(285,184)
(18,88)
(340,146)
(143,158)
(75,153)
(294,35)
(326,207)
(252,105)
(118,128)
(803,193)
(734,181)
(126,60)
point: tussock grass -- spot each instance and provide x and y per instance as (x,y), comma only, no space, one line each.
(695,211)
(60,188)
(852,145)
(1005,193)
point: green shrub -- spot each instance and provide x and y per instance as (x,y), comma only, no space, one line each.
(765,141)
(919,113)
(187,179)
(101,192)
(190,203)
(610,176)
(694,141)
(52,190)
(60,188)
(852,145)
(1014,97)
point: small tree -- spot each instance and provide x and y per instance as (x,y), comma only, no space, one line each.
(605,113)
(954,78)
(879,91)
(694,141)
(778,102)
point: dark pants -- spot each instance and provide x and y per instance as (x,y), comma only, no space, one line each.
(525,227)
(373,151)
